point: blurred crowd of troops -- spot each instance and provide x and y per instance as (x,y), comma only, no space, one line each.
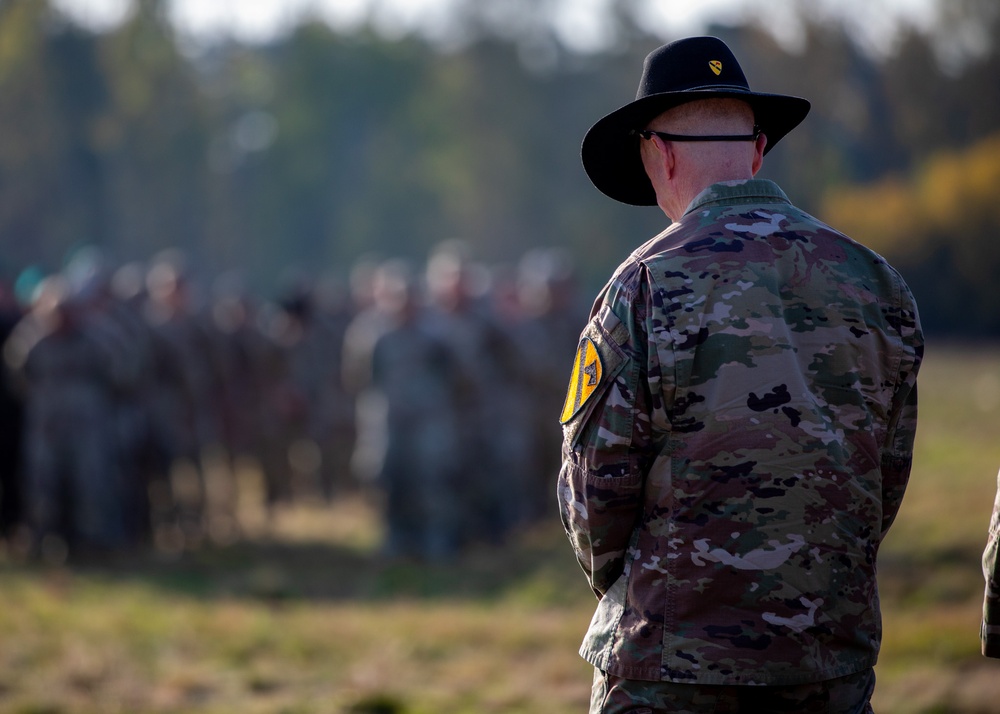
(131,396)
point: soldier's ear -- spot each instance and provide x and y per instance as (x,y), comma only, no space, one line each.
(659,159)
(758,157)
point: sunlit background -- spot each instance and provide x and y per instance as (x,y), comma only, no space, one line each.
(581,24)
(264,136)
(207,210)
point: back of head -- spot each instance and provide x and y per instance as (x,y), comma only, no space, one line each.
(712,161)
(708,116)
(394,288)
(447,274)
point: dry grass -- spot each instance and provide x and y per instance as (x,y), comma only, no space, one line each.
(301,617)
(930,566)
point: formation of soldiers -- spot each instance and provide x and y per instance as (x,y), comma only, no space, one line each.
(129,400)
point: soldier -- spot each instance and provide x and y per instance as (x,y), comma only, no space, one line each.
(548,332)
(123,336)
(313,343)
(738,429)
(990,632)
(516,440)
(186,400)
(11,424)
(490,447)
(414,373)
(134,403)
(72,481)
(242,351)
(364,329)
(335,420)
(280,406)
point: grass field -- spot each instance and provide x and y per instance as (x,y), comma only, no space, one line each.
(303,618)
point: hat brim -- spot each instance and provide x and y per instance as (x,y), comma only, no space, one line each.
(610,151)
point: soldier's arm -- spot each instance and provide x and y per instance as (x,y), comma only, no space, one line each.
(990,633)
(897,454)
(606,438)
(897,460)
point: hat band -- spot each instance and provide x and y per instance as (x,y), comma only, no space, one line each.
(666,136)
(724,87)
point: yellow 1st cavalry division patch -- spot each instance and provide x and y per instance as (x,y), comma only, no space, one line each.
(583,382)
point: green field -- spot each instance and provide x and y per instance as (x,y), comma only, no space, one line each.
(301,617)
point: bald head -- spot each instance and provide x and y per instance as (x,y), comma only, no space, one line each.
(681,170)
(708,116)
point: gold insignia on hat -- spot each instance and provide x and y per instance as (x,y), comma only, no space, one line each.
(715,66)
(583,382)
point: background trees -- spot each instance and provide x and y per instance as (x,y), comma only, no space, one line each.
(324,145)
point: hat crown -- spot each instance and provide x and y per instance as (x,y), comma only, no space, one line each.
(689,65)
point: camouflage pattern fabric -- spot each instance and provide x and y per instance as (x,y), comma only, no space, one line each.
(991,569)
(737,439)
(845,695)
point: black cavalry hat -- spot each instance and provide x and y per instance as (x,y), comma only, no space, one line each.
(679,72)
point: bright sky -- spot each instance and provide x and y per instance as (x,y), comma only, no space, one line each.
(581,24)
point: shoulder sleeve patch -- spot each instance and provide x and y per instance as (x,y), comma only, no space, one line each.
(584,379)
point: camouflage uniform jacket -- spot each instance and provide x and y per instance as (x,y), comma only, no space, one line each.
(737,438)
(991,569)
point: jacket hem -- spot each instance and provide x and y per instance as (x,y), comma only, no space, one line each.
(745,678)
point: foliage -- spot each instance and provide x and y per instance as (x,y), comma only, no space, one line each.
(939,227)
(323,146)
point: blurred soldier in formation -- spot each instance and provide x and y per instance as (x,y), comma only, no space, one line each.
(989,632)
(414,373)
(519,442)
(368,324)
(491,448)
(72,480)
(332,313)
(123,335)
(313,343)
(179,391)
(295,457)
(135,425)
(279,406)
(186,398)
(11,425)
(551,311)
(245,356)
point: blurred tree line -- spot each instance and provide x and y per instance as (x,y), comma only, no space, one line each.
(321,146)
